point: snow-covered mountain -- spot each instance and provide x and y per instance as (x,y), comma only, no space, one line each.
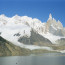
(20,30)
(54,27)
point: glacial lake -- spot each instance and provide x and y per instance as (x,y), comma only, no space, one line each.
(41,59)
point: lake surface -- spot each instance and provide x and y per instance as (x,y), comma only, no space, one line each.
(42,59)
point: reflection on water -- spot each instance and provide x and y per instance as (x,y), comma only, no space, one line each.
(43,59)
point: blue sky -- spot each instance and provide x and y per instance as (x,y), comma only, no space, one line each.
(34,8)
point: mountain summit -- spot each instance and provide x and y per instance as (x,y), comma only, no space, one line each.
(50,16)
(54,27)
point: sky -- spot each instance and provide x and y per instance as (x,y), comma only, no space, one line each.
(34,8)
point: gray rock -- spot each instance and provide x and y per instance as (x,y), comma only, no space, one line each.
(34,39)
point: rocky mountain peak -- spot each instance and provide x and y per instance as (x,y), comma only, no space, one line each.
(50,16)
(54,27)
(60,24)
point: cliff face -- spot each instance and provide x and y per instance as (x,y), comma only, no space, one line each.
(54,27)
(35,39)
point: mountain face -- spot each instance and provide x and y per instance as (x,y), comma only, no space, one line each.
(35,39)
(9,49)
(25,32)
(53,27)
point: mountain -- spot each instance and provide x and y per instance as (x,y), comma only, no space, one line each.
(35,39)
(9,49)
(56,28)
(31,33)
